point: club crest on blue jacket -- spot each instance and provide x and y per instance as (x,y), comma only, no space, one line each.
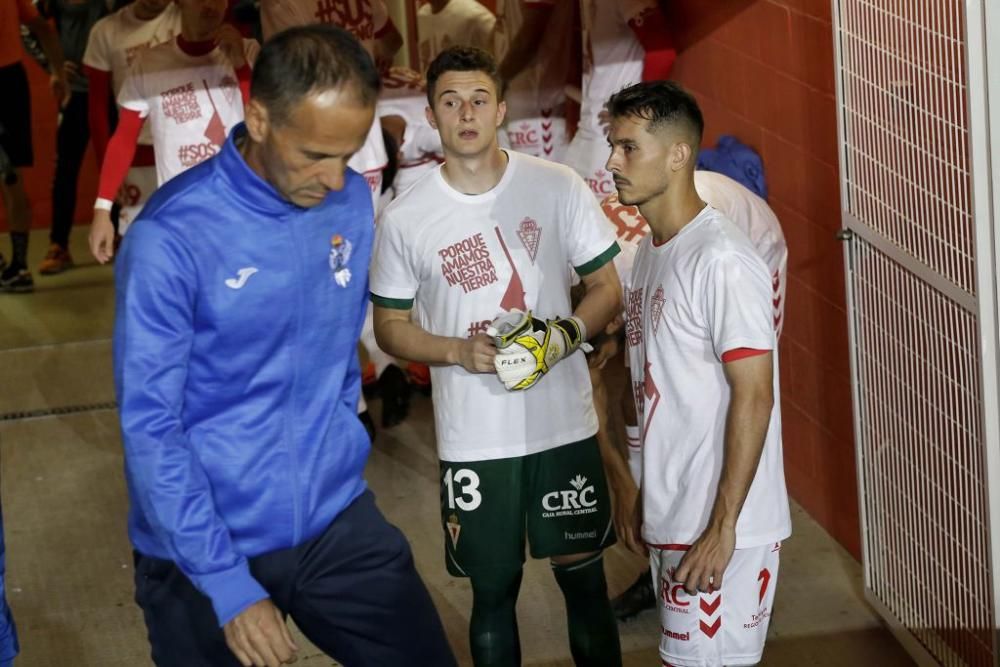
(340,255)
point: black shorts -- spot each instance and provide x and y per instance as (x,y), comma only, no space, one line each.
(15,116)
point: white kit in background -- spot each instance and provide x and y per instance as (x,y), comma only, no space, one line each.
(612,59)
(536,98)
(459,23)
(113,44)
(190,103)
(404,94)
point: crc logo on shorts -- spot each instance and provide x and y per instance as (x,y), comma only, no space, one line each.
(581,499)
(673,594)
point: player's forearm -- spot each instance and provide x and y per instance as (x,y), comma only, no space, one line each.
(407,340)
(747,422)
(118,158)
(599,305)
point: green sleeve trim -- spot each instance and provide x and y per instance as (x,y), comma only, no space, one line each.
(599,261)
(397,304)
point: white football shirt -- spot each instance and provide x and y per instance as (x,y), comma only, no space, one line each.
(190,103)
(459,23)
(115,40)
(461,260)
(750,213)
(364,19)
(612,59)
(703,293)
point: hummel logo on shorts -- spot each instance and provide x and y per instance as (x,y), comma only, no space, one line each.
(242,276)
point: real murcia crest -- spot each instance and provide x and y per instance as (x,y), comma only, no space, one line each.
(530,234)
(454,529)
(656,307)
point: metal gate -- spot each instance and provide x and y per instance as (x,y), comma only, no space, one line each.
(916,197)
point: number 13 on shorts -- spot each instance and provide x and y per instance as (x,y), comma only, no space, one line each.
(462,488)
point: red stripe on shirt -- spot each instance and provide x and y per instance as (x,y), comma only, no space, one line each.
(741,353)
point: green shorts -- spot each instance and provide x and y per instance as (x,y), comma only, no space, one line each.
(558,499)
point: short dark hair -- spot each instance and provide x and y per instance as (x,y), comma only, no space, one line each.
(463,59)
(307,59)
(661,103)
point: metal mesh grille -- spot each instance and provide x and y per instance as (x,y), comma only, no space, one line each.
(905,130)
(921,457)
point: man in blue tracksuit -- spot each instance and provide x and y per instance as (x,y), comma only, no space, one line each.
(240,297)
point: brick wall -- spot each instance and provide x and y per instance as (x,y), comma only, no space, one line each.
(764,71)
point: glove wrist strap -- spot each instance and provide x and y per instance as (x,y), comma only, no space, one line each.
(573,330)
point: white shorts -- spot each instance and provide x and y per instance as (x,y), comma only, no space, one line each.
(726,627)
(541,137)
(139,185)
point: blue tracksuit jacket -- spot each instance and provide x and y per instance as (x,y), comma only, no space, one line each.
(236,370)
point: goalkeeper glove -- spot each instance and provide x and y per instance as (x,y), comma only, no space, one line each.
(528,347)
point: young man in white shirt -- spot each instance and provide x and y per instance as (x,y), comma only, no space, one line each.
(471,246)
(444,23)
(190,90)
(713,508)
(754,218)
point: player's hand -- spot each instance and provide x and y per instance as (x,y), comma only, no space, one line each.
(70,70)
(528,347)
(706,561)
(60,87)
(606,348)
(259,637)
(231,44)
(615,325)
(626,496)
(631,532)
(476,354)
(102,236)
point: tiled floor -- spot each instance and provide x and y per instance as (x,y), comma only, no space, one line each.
(69,568)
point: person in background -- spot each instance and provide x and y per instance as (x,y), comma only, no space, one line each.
(114,43)
(74,20)
(444,23)
(15,117)
(533,40)
(624,42)
(192,90)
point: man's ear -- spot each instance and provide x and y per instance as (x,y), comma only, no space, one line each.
(429,112)
(501,113)
(258,121)
(680,156)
